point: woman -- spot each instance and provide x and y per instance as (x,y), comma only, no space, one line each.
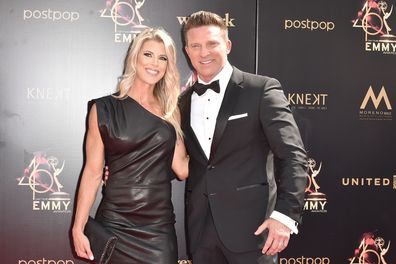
(137,133)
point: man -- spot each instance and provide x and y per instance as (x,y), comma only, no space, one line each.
(230,134)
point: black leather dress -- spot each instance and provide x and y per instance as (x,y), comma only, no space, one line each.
(136,205)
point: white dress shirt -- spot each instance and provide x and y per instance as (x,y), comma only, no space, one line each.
(204,111)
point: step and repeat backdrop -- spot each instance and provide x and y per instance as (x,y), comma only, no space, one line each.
(335,59)
(337,63)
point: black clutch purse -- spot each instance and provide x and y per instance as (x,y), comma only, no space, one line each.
(101,240)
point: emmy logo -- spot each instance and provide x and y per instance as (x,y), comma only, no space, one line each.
(373,19)
(42,176)
(315,201)
(312,185)
(126,17)
(371,250)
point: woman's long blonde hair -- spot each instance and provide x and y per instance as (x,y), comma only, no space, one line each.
(166,90)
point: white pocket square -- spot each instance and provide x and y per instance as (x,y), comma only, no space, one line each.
(238,116)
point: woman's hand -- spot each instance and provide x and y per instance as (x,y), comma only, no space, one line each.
(81,245)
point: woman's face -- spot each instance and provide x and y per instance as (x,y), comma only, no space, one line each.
(151,62)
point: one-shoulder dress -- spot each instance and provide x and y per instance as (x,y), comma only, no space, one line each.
(136,205)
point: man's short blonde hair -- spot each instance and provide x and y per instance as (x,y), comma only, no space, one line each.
(204,18)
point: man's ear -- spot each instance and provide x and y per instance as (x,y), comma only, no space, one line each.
(228,46)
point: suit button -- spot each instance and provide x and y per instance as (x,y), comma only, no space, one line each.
(210,167)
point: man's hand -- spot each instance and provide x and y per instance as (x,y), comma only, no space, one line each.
(278,236)
(106,174)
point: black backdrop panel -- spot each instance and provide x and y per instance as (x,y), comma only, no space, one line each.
(327,66)
(335,60)
(56,56)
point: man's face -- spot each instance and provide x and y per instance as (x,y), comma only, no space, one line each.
(207,48)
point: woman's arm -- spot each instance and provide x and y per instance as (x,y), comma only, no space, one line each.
(89,185)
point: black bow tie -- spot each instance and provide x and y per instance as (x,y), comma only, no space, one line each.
(200,88)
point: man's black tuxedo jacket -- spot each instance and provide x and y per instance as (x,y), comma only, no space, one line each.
(237,182)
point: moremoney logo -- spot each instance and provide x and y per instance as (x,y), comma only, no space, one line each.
(375,106)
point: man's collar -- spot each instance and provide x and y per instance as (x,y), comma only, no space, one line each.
(223,76)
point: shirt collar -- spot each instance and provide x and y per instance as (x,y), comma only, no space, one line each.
(223,76)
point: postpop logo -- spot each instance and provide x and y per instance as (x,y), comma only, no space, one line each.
(51,15)
(305,260)
(45,261)
(309,25)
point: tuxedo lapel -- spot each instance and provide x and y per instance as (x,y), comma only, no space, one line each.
(185,109)
(231,97)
